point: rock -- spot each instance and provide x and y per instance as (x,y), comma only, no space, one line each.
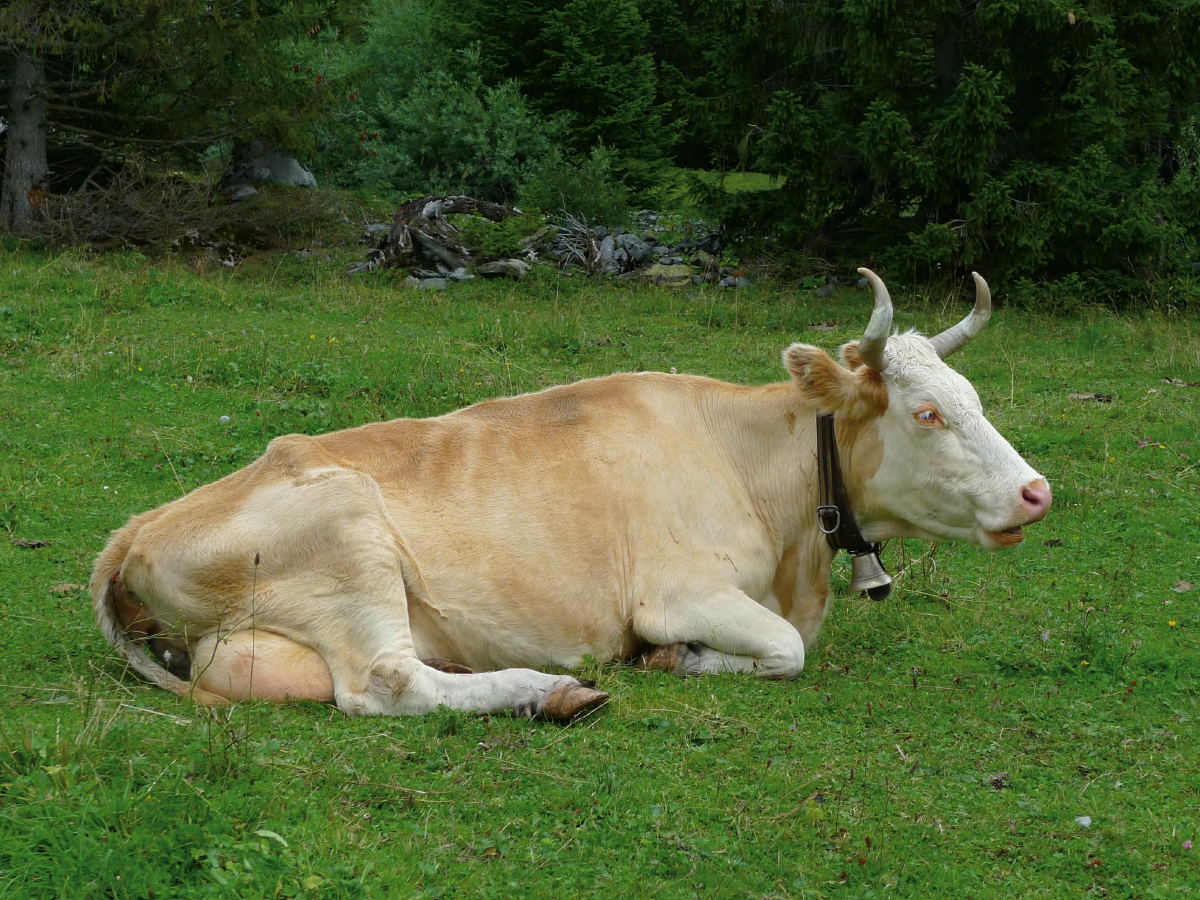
(638,251)
(608,264)
(460,274)
(301,254)
(711,244)
(433,284)
(1083,821)
(513,268)
(741,282)
(224,420)
(243,192)
(660,250)
(727,282)
(377,228)
(260,163)
(410,282)
(670,276)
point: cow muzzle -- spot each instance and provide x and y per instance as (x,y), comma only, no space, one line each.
(1035,502)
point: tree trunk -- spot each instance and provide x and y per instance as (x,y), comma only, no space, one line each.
(26,171)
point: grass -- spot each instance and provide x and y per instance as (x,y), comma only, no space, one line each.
(941,743)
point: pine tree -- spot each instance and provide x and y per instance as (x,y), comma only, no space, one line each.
(1031,137)
(156,77)
(587,58)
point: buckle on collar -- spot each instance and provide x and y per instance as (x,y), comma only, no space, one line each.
(829,518)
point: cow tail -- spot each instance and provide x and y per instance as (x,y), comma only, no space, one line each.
(104,583)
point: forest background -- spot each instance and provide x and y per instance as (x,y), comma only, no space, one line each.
(1042,141)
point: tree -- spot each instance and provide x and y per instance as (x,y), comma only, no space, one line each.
(1031,137)
(589,59)
(159,77)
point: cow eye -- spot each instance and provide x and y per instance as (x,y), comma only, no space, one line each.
(927,415)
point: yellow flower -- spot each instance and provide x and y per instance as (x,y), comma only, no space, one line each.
(1171,623)
(1112,459)
(1084,663)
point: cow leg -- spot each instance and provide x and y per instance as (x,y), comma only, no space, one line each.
(333,588)
(725,632)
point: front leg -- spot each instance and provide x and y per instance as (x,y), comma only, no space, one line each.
(725,631)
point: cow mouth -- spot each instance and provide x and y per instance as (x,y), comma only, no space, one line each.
(1008,536)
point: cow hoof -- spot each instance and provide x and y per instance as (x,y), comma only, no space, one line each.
(570,700)
(666,658)
(445,665)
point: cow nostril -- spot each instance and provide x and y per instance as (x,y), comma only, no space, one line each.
(1036,496)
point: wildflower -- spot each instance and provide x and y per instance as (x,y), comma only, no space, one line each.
(295,68)
(1084,663)
(1112,459)
(320,78)
(1171,624)
(1187,845)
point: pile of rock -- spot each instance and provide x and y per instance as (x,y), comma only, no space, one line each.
(662,249)
(649,257)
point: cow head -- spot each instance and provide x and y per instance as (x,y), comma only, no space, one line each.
(919,457)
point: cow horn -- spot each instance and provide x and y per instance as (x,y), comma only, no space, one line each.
(874,340)
(955,337)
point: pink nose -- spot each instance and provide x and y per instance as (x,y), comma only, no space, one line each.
(1036,499)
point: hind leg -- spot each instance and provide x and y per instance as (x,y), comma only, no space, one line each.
(330,586)
(257,664)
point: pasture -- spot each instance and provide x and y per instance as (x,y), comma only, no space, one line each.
(942,743)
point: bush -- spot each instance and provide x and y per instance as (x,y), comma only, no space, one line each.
(586,188)
(1009,137)
(454,135)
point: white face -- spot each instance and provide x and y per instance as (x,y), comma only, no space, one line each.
(946,473)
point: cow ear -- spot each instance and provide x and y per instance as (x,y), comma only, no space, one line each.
(833,388)
(850,356)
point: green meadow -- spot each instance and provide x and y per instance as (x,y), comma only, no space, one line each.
(946,742)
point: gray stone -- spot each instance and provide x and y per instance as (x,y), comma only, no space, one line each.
(741,282)
(410,282)
(515,269)
(637,250)
(460,274)
(862,282)
(243,192)
(607,263)
(433,284)
(263,164)
(728,281)
(668,276)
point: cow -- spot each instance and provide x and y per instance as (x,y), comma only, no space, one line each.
(408,564)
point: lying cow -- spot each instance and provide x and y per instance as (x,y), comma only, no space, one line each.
(409,564)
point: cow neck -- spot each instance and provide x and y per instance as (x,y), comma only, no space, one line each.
(836,519)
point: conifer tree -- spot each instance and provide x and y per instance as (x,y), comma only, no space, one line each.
(175,76)
(1031,137)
